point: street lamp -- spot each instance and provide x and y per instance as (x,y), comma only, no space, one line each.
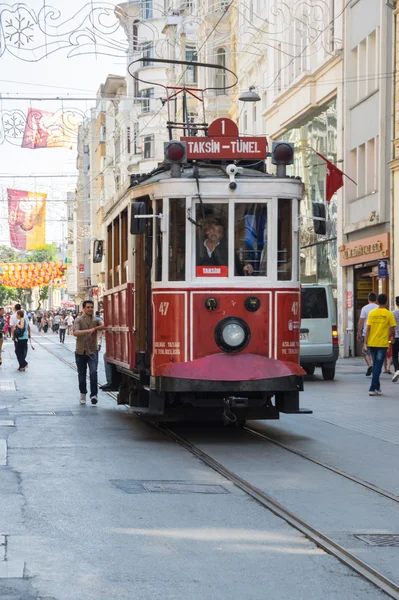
(250,96)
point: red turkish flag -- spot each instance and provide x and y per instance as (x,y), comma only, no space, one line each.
(334,178)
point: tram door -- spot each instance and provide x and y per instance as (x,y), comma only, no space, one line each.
(143,264)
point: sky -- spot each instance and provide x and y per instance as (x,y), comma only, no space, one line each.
(27,72)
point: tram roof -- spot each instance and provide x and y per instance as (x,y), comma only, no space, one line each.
(202,171)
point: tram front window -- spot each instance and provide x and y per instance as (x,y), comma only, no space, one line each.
(212,255)
(250,239)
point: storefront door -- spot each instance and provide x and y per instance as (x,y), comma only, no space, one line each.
(366,281)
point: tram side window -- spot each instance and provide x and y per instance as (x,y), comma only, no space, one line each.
(158,242)
(117,256)
(124,243)
(250,239)
(177,239)
(212,248)
(110,284)
(284,233)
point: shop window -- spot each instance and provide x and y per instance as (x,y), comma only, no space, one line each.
(177,239)
(284,233)
(212,249)
(250,239)
(158,241)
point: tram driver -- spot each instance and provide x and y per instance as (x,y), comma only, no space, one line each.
(213,249)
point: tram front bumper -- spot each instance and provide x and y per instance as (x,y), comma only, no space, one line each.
(230,372)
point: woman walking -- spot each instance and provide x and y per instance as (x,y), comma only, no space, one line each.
(21,336)
(62,329)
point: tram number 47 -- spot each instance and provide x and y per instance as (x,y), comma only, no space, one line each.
(295,308)
(163,308)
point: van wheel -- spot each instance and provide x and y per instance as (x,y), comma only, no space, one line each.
(309,369)
(328,372)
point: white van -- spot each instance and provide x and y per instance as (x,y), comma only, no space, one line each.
(319,333)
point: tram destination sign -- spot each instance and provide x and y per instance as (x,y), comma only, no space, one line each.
(223,142)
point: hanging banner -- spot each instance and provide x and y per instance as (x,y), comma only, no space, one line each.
(49,130)
(31,275)
(27,219)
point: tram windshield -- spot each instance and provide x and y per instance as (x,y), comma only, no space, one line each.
(250,239)
(212,253)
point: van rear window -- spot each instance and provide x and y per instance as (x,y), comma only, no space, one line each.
(314,303)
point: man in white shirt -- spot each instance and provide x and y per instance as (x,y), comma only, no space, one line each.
(361,328)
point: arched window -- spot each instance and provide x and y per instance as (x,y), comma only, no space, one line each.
(221,78)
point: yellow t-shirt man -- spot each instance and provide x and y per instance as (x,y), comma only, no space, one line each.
(380,320)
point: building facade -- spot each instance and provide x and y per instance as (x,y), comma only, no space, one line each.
(365,242)
(394,165)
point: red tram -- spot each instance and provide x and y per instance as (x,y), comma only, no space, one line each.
(203,302)
(202,311)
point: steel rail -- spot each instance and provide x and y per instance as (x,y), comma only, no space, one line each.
(317,537)
(353,478)
(321,540)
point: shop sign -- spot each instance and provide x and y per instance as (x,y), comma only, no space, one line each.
(366,250)
(223,142)
(349,299)
(382,269)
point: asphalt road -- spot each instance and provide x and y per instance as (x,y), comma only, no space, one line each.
(96,504)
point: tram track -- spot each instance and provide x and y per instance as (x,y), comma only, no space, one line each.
(316,536)
(256,433)
(367,485)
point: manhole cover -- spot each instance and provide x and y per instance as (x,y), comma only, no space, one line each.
(379,539)
(132,486)
(7,386)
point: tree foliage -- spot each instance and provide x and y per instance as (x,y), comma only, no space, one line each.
(9,255)
(45,253)
(7,295)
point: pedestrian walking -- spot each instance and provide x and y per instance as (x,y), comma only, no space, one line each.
(380,327)
(395,345)
(45,324)
(56,323)
(70,321)
(62,330)
(361,328)
(3,323)
(86,354)
(14,319)
(21,336)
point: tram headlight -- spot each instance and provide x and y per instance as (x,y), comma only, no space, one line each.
(232,334)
